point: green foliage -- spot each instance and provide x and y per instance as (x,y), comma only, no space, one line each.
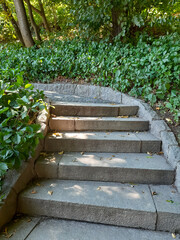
(19,106)
(149,69)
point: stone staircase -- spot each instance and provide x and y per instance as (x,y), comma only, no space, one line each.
(101,165)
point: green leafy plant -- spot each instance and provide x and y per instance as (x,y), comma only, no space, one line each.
(19,107)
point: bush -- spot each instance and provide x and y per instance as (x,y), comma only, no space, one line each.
(19,106)
(150,69)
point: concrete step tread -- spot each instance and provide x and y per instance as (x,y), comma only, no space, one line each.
(31,228)
(74,199)
(127,136)
(92,109)
(113,167)
(106,160)
(120,123)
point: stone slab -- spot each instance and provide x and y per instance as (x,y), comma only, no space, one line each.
(93,141)
(72,230)
(98,124)
(149,143)
(167,202)
(19,228)
(47,165)
(108,203)
(113,167)
(92,109)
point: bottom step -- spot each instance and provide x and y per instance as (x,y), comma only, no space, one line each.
(107,203)
(55,229)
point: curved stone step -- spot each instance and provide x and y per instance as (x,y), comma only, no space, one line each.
(112,167)
(93,109)
(139,206)
(102,142)
(70,123)
(108,203)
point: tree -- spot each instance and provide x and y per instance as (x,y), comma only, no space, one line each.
(13,21)
(23,23)
(41,12)
(34,25)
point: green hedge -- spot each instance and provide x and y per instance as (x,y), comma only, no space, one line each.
(150,69)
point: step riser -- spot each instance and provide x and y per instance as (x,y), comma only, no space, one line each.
(88,125)
(88,213)
(105,174)
(96,111)
(89,145)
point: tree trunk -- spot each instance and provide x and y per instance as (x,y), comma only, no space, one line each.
(23,23)
(13,22)
(46,25)
(116,28)
(34,25)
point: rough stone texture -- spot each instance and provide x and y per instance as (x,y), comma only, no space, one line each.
(20,228)
(110,95)
(98,124)
(47,167)
(167,202)
(82,90)
(94,91)
(92,202)
(174,155)
(8,207)
(43,117)
(157,126)
(93,141)
(177,182)
(168,139)
(149,143)
(71,230)
(128,110)
(113,167)
(85,109)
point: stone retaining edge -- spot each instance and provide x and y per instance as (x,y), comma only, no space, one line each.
(158,127)
(16,180)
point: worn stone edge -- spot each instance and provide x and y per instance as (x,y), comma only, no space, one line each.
(158,127)
(16,180)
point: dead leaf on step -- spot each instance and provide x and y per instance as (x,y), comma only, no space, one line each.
(82,153)
(95,97)
(50,192)
(99,188)
(9,235)
(154,193)
(149,153)
(113,104)
(160,153)
(38,184)
(29,220)
(33,192)
(53,115)
(124,116)
(173,191)
(113,156)
(173,235)
(137,131)
(75,160)
(44,154)
(61,153)
(57,134)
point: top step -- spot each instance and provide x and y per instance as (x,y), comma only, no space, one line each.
(93,109)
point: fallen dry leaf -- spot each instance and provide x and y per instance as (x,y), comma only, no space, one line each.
(149,153)
(82,153)
(33,192)
(53,115)
(174,235)
(113,156)
(50,192)
(57,134)
(29,220)
(99,188)
(61,153)
(38,184)
(154,193)
(160,153)
(124,116)
(44,154)
(9,235)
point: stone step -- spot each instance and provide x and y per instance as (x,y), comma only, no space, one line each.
(98,124)
(138,206)
(112,167)
(102,142)
(93,109)
(31,228)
